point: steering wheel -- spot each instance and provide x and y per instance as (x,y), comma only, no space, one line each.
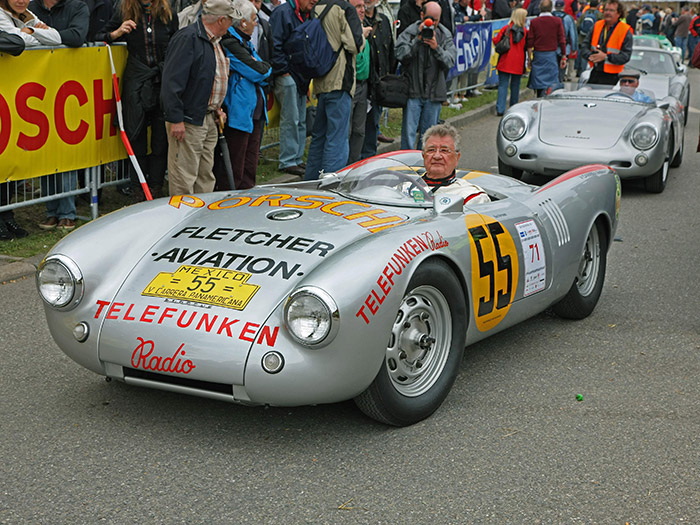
(403,177)
(619,94)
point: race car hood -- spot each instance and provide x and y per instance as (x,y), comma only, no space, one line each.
(558,126)
(202,295)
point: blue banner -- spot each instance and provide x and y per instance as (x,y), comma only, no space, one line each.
(473,43)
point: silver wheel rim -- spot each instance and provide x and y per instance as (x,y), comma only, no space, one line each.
(589,266)
(420,341)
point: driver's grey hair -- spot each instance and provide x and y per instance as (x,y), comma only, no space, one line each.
(442,130)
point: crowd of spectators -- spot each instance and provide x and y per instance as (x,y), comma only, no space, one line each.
(198,71)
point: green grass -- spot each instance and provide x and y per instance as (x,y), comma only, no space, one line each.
(40,241)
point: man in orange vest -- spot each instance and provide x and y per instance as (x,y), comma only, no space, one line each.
(609,46)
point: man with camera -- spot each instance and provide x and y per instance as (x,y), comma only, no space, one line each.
(426,51)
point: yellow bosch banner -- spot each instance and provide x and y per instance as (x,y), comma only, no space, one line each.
(58,111)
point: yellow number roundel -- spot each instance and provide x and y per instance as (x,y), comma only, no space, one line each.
(494,270)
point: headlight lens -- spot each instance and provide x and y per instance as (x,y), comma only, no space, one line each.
(644,136)
(60,282)
(513,127)
(311,316)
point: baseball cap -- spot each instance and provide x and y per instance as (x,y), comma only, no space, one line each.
(559,3)
(219,8)
(627,72)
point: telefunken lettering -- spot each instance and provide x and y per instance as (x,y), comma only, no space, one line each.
(189,319)
(395,266)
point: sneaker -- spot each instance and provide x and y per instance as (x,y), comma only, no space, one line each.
(5,234)
(49,224)
(15,229)
(66,224)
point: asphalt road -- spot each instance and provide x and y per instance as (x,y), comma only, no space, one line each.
(510,445)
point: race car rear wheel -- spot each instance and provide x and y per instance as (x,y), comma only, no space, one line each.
(505,169)
(584,293)
(424,351)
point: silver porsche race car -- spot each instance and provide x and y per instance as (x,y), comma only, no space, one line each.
(550,135)
(364,285)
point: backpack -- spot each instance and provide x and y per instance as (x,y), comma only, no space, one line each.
(562,15)
(308,51)
(587,23)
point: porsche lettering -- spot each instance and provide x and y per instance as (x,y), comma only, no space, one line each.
(368,217)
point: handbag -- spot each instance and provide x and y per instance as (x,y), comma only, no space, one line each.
(503,45)
(392,91)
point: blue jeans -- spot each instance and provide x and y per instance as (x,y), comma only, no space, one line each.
(418,116)
(63,208)
(292,122)
(504,80)
(329,146)
(682,42)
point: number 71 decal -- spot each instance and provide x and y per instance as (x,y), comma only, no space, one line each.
(495,270)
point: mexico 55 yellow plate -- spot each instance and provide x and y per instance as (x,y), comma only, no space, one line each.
(214,286)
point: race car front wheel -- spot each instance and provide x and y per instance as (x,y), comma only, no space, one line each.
(424,350)
(583,295)
(656,183)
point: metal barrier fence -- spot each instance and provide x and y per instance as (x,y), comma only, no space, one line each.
(37,190)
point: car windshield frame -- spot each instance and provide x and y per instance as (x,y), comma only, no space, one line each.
(598,93)
(385,181)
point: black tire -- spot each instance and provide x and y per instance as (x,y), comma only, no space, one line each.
(678,158)
(416,374)
(505,169)
(656,183)
(584,293)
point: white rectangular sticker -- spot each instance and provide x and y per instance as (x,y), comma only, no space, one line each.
(533,257)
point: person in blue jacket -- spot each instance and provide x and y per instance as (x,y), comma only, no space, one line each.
(245,99)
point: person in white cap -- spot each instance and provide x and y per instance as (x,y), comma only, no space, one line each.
(195,79)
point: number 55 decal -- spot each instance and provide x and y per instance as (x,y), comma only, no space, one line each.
(494,270)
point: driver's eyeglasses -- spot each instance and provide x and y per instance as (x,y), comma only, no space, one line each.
(444,150)
(628,81)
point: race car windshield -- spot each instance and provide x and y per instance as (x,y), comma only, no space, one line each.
(597,92)
(386,181)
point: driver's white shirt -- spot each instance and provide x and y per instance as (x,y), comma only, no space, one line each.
(471,193)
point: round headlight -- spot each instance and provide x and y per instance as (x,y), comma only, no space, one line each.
(644,136)
(60,282)
(311,316)
(513,127)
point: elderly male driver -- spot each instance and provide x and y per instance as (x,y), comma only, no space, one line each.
(440,157)
(629,82)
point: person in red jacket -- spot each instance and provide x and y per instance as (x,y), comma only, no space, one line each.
(511,65)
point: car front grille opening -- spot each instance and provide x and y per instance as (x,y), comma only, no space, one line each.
(221,388)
